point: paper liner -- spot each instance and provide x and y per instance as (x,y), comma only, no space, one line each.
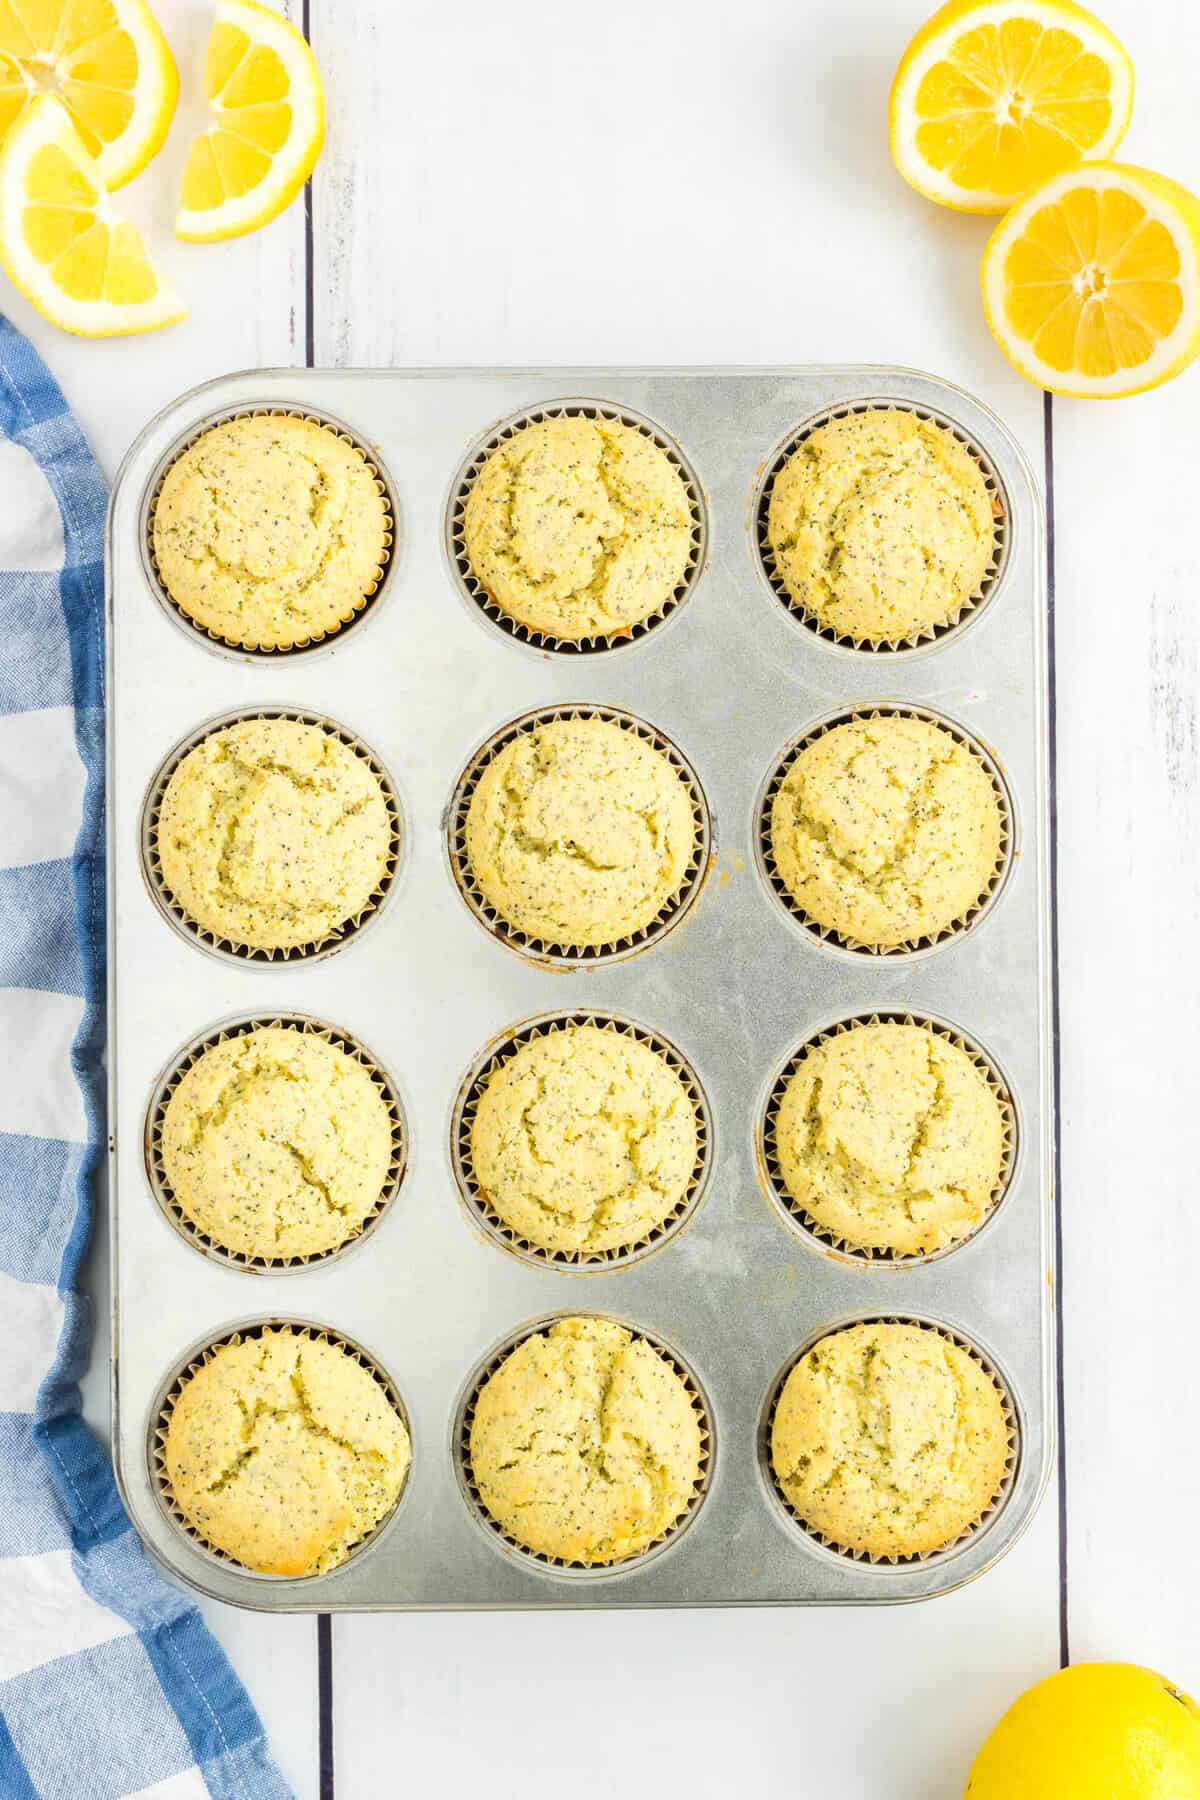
(477,595)
(207,940)
(462,1122)
(213,640)
(865,1559)
(161,1420)
(187,1058)
(460,1447)
(970,607)
(542,950)
(799,1219)
(825,935)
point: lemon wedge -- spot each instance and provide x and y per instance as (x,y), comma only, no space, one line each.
(264,92)
(1092,284)
(994,96)
(106,60)
(60,240)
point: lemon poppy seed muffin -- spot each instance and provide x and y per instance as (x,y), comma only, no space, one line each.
(586,1444)
(270,531)
(578,527)
(277,1143)
(284,1451)
(584,1140)
(881,524)
(273,833)
(891,1137)
(579,832)
(889,1439)
(886,830)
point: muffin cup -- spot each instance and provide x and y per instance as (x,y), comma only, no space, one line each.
(164,1405)
(186,1058)
(372,597)
(199,935)
(820,1237)
(556,1567)
(816,1541)
(477,596)
(825,936)
(541,950)
(918,643)
(481,1213)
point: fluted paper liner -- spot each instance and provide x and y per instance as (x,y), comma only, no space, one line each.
(462,1123)
(968,609)
(187,1058)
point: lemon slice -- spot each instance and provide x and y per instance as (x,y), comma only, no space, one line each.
(1092,284)
(264,92)
(994,96)
(82,267)
(108,63)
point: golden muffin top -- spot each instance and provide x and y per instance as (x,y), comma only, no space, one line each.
(889,1439)
(881,524)
(580,832)
(584,1140)
(578,527)
(891,1137)
(284,1451)
(586,1445)
(277,1143)
(273,833)
(887,830)
(270,531)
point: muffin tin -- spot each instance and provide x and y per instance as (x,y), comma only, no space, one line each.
(730,679)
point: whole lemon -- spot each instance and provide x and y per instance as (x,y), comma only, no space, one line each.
(1098,1731)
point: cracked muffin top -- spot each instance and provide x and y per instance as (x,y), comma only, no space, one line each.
(887,830)
(881,524)
(889,1439)
(277,1143)
(284,1451)
(891,1137)
(578,527)
(273,833)
(580,832)
(584,1140)
(270,531)
(585,1445)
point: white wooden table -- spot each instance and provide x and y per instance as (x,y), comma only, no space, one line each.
(679,181)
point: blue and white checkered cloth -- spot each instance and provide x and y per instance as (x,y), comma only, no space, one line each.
(109,1682)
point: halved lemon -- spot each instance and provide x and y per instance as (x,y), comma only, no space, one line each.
(108,63)
(994,96)
(60,240)
(264,92)
(1092,284)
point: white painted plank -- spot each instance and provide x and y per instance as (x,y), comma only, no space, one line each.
(1129,749)
(277,1660)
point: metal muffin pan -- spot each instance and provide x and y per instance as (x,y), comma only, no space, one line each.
(736,986)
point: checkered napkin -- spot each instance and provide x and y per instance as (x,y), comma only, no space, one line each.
(109,1682)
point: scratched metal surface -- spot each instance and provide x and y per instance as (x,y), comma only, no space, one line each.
(736,987)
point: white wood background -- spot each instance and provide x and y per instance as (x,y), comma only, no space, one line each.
(708,180)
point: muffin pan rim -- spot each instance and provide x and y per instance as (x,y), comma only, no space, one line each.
(540,951)
(499,1050)
(496,620)
(421,419)
(539,1561)
(832,942)
(323,642)
(171,1385)
(818,1543)
(819,1238)
(224,949)
(241,1025)
(933,637)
